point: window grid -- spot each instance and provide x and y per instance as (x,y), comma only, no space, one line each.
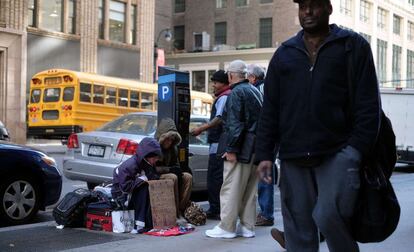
(410,69)
(133,25)
(179,36)
(117,21)
(410,30)
(396,25)
(220,36)
(179,6)
(365,11)
(266,1)
(71,17)
(220,4)
(382,60)
(101,18)
(265,36)
(241,3)
(346,7)
(396,65)
(382,18)
(32,13)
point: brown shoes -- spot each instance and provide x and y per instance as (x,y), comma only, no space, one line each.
(262,221)
(279,236)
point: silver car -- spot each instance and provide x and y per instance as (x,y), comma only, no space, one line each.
(92,156)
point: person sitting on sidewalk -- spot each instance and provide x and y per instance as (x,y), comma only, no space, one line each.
(169,167)
(131,178)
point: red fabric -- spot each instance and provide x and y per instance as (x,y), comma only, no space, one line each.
(174,231)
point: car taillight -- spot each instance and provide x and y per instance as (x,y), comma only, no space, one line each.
(127,147)
(73,141)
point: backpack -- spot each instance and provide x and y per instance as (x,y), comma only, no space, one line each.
(71,210)
(195,214)
(377,211)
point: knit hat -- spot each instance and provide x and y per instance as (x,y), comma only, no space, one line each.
(237,66)
(220,76)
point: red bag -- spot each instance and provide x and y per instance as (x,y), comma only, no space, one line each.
(99,222)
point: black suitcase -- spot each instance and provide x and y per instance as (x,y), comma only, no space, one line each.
(71,210)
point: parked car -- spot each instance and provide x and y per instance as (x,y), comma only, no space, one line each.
(29,181)
(92,156)
(4,133)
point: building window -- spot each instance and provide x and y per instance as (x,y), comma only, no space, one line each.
(241,3)
(71,26)
(117,21)
(179,36)
(382,60)
(410,69)
(101,18)
(382,18)
(32,13)
(179,6)
(365,11)
(199,81)
(345,7)
(221,4)
(396,25)
(50,12)
(396,65)
(366,37)
(266,1)
(411,2)
(220,36)
(410,30)
(265,36)
(133,25)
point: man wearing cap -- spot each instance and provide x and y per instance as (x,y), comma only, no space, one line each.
(215,128)
(238,192)
(321,135)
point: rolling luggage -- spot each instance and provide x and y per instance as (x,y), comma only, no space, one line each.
(70,211)
(98,216)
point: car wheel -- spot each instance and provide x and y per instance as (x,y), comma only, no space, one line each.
(19,200)
(91,186)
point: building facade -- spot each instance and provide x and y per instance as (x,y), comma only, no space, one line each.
(388,25)
(108,37)
(208,35)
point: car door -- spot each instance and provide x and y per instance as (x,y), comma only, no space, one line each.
(199,152)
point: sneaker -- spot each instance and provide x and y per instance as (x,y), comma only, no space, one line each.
(262,221)
(217,232)
(278,236)
(244,231)
(134,231)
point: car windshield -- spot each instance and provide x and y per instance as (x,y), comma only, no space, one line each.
(132,124)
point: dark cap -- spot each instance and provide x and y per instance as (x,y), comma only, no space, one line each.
(220,76)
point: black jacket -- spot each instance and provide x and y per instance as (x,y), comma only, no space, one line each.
(242,113)
(305,108)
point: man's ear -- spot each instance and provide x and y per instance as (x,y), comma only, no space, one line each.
(330,9)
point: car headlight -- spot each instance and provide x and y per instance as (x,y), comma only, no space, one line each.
(49,160)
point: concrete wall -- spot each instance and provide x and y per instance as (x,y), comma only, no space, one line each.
(118,62)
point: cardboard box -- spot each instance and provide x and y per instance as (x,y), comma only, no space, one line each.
(163,209)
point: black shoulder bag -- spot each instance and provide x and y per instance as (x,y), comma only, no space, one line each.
(377,211)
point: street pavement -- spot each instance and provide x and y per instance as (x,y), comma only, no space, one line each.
(45,237)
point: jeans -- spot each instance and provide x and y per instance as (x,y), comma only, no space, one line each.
(214,182)
(265,197)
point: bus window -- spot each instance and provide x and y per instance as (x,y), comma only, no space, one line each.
(85,92)
(123,97)
(51,95)
(35,97)
(111,95)
(134,99)
(98,94)
(68,93)
(146,100)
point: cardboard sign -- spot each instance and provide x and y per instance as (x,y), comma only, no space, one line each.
(163,209)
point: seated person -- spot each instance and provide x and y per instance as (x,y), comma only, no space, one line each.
(169,167)
(131,178)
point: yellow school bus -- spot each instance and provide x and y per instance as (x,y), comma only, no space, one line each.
(64,101)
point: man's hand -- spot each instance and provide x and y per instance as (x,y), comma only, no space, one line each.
(264,171)
(196,131)
(230,156)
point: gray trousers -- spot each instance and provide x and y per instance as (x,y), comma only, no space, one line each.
(320,198)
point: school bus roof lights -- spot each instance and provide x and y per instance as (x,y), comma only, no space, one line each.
(36,81)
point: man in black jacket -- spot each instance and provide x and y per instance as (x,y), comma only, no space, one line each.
(321,136)
(238,192)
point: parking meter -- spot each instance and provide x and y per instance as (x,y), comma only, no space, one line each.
(174,101)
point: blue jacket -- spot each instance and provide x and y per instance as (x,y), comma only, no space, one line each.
(305,108)
(125,176)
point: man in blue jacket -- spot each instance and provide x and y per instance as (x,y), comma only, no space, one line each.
(321,137)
